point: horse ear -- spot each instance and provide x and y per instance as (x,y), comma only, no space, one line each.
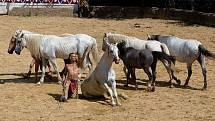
(123,43)
(19,30)
(149,37)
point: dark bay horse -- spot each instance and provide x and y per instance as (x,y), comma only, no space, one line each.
(142,59)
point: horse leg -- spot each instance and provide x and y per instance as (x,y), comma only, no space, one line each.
(124,70)
(153,68)
(175,78)
(115,92)
(64,96)
(37,64)
(113,103)
(63,71)
(54,64)
(171,73)
(189,68)
(87,63)
(133,76)
(30,68)
(201,60)
(49,67)
(149,83)
(127,77)
(44,63)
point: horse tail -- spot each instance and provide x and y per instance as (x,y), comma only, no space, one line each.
(94,51)
(206,52)
(164,57)
(164,48)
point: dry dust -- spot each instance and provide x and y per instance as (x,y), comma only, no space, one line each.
(22,100)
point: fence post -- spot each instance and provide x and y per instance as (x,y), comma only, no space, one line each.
(7,7)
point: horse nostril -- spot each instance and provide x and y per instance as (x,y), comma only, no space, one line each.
(117,61)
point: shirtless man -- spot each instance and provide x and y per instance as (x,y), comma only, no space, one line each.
(70,83)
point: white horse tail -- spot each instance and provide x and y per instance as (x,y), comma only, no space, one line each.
(95,51)
(206,52)
(165,48)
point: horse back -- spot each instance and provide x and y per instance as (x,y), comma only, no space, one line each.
(184,50)
(137,58)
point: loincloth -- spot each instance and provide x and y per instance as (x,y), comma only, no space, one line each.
(73,86)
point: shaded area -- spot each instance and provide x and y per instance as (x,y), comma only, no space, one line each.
(101,100)
(158,83)
(31,79)
(198,5)
(189,17)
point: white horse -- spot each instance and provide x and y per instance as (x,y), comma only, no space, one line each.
(186,51)
(50,47)
(102,79)
(87,61)
(139,45)
(35,61)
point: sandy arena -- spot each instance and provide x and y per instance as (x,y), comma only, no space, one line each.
(22,100)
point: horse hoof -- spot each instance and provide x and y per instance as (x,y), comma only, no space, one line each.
(59,82)
(63,99)
(136,87)
(148,89)
(38,83)
(185,86)
(49,73)
(204,88)
(25,75)
(113,104)
(153,89)
(118,104)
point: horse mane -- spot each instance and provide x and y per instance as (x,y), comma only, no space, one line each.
(123,49)
(33,42)
(118,37)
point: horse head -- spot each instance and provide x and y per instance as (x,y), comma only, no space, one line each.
(20,44)
(12,44)
(121,44)
(113,51)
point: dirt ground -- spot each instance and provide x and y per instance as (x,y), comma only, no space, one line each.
(20,99)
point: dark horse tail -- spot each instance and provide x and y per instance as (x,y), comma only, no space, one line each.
(206,52)
(164,57)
